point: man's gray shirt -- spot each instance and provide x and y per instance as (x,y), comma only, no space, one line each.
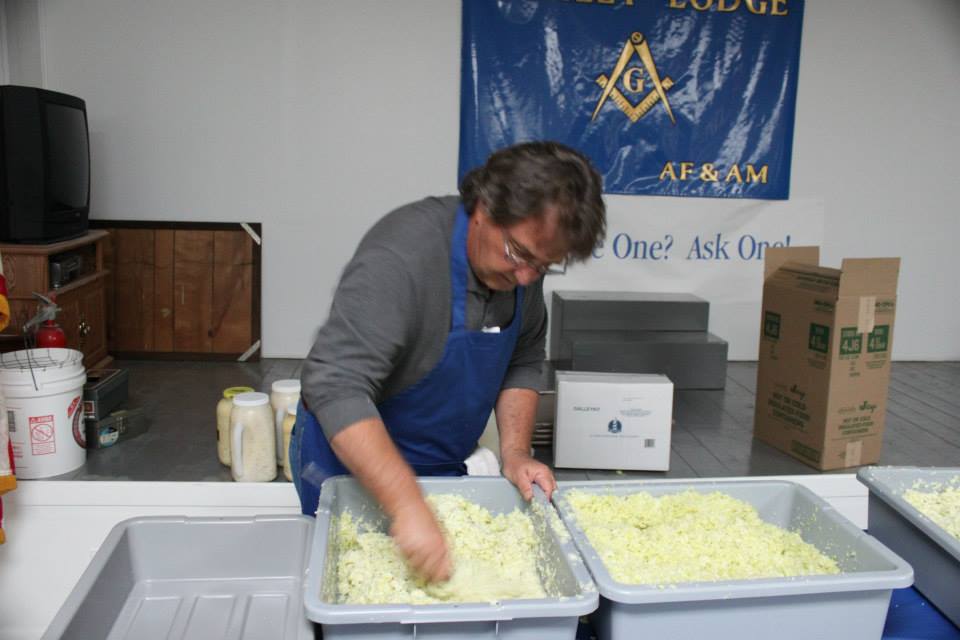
(390,318)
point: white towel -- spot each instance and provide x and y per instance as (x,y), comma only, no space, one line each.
(482,462)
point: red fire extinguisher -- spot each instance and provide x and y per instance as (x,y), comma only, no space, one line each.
(48,333)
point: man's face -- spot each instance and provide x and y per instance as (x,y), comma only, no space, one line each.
(504,257)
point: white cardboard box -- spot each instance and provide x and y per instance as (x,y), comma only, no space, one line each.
(613,421)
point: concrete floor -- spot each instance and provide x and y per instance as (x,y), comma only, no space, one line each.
(712,435)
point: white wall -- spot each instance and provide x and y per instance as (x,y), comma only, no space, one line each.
(20,55)
(315,118)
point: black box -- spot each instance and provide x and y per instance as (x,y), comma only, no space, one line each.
(691,359)
(585,313)
(105,390)
(124,423)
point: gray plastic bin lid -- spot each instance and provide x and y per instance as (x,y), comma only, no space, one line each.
(163,577)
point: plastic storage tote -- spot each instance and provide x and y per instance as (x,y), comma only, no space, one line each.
(852,605)
(159,578)
(933,553)
(562,572)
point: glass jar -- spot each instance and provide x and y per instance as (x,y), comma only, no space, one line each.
(224,407)
(288,421)
(253,448)
(283,393)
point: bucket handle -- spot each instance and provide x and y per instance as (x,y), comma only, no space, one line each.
(237,446)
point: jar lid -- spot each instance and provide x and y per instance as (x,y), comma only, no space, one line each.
(286,386)
(229,392)
(253,399)
(292,408)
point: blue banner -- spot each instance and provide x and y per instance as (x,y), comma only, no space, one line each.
(666,97)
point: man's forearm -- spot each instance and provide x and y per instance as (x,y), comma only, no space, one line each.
(366,449)
(516,410)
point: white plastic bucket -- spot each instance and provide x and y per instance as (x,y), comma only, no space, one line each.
(44,392)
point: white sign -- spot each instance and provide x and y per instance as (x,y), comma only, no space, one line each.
(714,250)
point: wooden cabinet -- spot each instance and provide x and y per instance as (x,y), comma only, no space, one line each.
(81,310)
(82,300)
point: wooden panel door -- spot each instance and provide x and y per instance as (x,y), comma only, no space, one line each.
(193,291)
(163,330)
(132,270)
(232,329)
(184,290)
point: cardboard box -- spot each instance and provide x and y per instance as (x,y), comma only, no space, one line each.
(106,432)
(824,364)
(613,421)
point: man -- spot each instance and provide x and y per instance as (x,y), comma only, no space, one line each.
(439,318)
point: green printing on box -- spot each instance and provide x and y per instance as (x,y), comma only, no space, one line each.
(879,339)
(819,338)
(804,451)
(771,325)
(851,342)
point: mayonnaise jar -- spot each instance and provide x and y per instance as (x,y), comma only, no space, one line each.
(283,393)
(253,447)
(224,407)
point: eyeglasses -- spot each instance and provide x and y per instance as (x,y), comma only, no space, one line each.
(514,253)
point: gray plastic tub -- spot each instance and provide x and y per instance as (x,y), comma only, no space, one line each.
(562,573)
(852,605)
(933,553)
(175,577)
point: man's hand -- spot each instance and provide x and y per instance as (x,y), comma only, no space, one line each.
(368,452)
(523,471)
(417,534)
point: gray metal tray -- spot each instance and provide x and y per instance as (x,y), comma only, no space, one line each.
(166,578)
(852,605)
(933,553)
(563,572)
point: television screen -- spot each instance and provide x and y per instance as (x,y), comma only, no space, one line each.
(69,170)
(44,165)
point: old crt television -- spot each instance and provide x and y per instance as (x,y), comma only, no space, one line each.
(44,165)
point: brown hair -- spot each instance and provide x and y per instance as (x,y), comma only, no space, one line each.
(520,181)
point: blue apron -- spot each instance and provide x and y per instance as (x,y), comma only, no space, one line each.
(436,422)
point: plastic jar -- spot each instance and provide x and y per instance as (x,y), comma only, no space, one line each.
(283,393)
(253,448)
(224,407)
(287,427)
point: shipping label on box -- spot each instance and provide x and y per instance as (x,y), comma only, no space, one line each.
(613,421)
(824,358)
